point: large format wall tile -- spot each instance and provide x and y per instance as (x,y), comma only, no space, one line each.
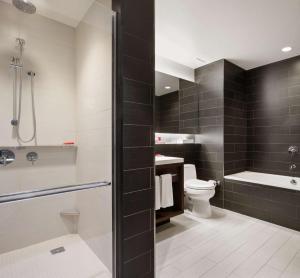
(135,152)
(273,102)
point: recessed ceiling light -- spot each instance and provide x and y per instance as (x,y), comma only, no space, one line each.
(286,49)
(168,87)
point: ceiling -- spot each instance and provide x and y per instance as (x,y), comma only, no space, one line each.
(69,12)
(250,33)
(162,80)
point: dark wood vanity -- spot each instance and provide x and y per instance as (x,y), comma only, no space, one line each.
(163,215)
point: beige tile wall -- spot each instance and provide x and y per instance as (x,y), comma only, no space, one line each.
(73,100)
(94,128)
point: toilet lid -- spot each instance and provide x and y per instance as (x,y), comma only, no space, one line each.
(199,184)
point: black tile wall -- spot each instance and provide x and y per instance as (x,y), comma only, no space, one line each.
(138,201)
(137,135)
(272,97)
(139,266)
(210,159)
(137,92)
(235,119)
(134,172)
(136,180)
(273,102)
(276,205)
(138,114)
(137,158)
(144,220)
(246,120)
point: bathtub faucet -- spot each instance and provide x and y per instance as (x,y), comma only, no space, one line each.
(293,150)
(293,182)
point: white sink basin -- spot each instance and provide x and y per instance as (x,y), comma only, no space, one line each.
(163,160)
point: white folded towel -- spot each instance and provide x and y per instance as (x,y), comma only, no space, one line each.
(166,191)
(157,193)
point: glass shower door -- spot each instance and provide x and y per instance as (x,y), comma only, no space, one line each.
(56,76)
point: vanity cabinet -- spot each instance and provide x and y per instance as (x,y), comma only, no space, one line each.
(163,215)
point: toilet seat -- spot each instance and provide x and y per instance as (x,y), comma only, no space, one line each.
(199,185)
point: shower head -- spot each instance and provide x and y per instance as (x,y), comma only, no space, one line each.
(24,6)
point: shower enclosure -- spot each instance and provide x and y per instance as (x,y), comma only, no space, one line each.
(56,92)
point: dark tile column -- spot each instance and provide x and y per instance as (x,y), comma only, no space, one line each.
(235,119)
(134,196)
(210,161)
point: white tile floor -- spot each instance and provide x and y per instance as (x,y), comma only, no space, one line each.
(78,261)
(227,245)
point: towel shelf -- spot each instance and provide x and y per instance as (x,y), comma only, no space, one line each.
(25,195)
(163,215)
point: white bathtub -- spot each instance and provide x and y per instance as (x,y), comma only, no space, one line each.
(265,179)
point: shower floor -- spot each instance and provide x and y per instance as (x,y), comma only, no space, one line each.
(36,261)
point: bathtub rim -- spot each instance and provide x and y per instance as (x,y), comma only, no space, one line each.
(235,177)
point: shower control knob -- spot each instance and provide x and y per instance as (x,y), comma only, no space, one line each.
(293,150)
(6,157)
(32,157)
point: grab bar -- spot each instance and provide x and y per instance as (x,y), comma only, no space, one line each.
(14,197)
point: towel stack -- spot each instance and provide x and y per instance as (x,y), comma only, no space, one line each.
(163,191)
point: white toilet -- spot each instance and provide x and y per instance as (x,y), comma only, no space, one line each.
(197,192)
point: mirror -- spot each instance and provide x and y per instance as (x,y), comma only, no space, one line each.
(176,105)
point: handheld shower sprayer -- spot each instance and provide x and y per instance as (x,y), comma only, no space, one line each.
(17,64)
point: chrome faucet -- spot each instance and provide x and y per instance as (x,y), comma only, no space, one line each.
(6,157)
(293,182)
(293,150)
(32,157)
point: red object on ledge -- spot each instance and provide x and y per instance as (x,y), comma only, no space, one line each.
(69,143)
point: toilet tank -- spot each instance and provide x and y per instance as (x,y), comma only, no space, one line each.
(189,172)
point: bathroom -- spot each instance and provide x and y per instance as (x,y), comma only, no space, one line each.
(227,137)
(140,141)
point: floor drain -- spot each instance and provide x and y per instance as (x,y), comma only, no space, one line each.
(57,250)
